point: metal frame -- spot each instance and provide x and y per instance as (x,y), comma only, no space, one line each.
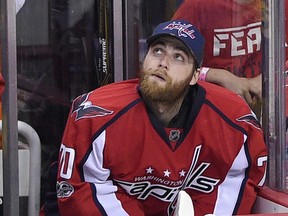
(10,135)
(34,144)
(118,40)
(126,44)
(274,122)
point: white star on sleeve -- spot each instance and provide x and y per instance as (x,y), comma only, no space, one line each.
(167,173)
(149,170)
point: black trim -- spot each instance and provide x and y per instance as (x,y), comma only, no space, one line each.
(194,111)
(115,118)
(158,127)
(197,103)
(209,103)
(241,192)
(96,201)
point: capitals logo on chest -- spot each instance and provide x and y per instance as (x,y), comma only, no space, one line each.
(166,190)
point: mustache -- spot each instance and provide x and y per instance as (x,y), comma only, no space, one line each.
(158,72)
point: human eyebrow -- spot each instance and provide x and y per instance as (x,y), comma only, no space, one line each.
(158,43)
(183,49)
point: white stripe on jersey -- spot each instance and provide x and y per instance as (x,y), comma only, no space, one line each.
(229,189)
(94,172)
(93,168)
(109,201)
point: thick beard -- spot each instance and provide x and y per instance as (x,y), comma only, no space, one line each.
(169,93)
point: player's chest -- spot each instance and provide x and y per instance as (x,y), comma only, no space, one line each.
(140,153)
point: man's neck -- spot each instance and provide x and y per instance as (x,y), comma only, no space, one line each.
(165,111)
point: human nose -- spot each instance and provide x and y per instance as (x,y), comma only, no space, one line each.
(164,62)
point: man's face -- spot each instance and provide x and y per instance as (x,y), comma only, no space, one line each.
(166,73)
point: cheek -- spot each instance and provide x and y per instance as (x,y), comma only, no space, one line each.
(150,62)
(181,73)
(144,66)
(147,63)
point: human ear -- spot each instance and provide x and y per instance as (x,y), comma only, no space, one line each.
(195,77)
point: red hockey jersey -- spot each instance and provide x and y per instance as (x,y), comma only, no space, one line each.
(232,33)
(116,159)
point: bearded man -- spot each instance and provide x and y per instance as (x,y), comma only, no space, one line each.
(129,148)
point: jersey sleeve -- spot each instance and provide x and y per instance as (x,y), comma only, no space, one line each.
(256,150)
(84,186)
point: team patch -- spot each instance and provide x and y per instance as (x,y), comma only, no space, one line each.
(64,189)
(85,109)
(250,119)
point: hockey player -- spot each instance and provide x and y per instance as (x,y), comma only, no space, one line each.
(130,147)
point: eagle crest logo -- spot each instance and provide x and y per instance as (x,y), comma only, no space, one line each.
(85,109)
(250,119)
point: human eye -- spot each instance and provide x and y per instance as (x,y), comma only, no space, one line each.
(179,57)
(158,51)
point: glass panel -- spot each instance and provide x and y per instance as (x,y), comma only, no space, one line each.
(152,13)
(64,48)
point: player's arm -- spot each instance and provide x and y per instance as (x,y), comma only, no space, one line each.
(84,186)
(249,88)
(256,172)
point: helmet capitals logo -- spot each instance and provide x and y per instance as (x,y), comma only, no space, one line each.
(85,109)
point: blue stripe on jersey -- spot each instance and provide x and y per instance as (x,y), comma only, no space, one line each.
(99,206)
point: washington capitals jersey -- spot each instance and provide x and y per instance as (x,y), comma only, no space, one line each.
(232,33)
(116,159)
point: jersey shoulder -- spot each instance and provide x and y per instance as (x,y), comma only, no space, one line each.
(229,105)
(107,100)
(115,93)
(117,89)
(223,98)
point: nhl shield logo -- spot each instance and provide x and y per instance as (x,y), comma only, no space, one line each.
(174,135)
